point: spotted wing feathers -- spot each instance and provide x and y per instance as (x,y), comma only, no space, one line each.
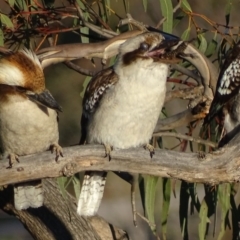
(97,87)
(228,82)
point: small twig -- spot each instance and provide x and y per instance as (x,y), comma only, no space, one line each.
(146,220)
(133,198)
(104,32)
(98,18)
(187,72)
(189,138)
(40,43)
(180,81)
(178,120)
(186,93)
(79,69)
(130,20)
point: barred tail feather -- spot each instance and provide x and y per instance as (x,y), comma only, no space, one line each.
(28,194)
(91,193)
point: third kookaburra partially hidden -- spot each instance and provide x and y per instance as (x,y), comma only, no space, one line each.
(28,118)
(227,96)
(121,107)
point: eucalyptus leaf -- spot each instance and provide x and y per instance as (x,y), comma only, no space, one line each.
(228,9)
(186,6)
(11,2)
(21,4)
(62,185)
(167,12)
(212,46)
(150,183)
(84,30)
(202,226)
(76,186)
(1,39)
(224,200)
(186,34)
(85,83)
(5,20)
(145,4)
(203,43)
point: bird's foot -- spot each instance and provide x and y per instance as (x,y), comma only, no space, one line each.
(150,148)
(55,147)
(201,155)
(108,150)
(13,158)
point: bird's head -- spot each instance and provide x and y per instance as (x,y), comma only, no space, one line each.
(22,69)
(23,72)
(144,46)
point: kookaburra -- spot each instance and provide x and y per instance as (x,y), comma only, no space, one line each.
(121,107)
(28,118)
(227,96)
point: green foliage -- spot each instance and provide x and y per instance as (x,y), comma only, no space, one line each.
(186,34)
(186,6)
(202,43)
(150,184)
(212,46)
(85,83)
(11,2)
(145,4)
(5,21)
(202,227)
(167,12)
(1,38)
(69,184)
(224,200)
(62,182)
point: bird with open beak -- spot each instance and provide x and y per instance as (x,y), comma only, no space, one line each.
(122,104)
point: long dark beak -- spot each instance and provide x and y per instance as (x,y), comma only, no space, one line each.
(167,36)
(46,99)
(168,44)
(163,47)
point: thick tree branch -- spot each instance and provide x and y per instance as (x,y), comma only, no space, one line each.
(221,166)
(67,52)
(186,137)
(58,219)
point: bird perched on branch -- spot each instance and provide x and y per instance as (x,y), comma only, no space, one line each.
(28,118)
(122,104)
(227,96)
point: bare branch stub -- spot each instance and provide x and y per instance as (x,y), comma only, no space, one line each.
(43,223)
(79,69)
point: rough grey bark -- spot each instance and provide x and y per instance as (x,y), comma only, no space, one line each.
(221,166)
(58,219)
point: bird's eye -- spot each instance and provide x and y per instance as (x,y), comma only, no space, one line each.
(144,46)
